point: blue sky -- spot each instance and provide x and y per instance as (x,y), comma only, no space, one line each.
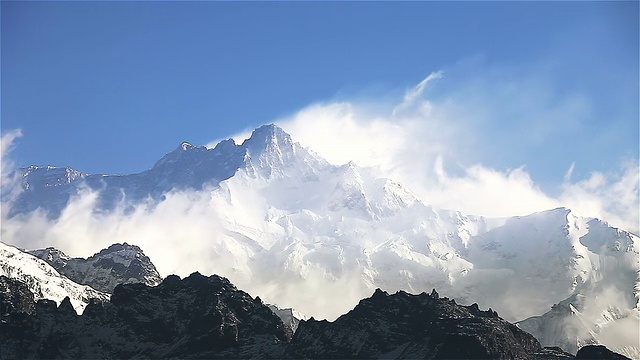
(109,87)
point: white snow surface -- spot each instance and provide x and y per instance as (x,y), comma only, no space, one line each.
(43,280)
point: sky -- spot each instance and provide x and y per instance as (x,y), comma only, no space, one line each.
(493,108)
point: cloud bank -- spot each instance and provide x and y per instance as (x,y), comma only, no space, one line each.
(439,146)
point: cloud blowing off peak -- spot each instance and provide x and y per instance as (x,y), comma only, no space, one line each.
(462,149)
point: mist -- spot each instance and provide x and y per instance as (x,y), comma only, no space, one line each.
(607,317)
(181,235)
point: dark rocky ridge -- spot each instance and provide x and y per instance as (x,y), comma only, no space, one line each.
(598,352)
(197,317)
(207,317)
(412,327)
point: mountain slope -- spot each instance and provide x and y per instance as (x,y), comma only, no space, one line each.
(558,251)
(581,320)
(43,280)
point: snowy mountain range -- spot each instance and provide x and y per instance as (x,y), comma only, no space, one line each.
(287,226)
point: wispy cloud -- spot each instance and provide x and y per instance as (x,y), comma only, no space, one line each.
(569,173)
(609,196)
(8,182)
(489,192)
(7,141)
(416,92)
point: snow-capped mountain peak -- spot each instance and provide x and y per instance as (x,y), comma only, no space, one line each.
(268,137)
(290,317)
(183,152)
(271,153)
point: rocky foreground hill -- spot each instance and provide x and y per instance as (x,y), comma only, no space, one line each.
(208,317)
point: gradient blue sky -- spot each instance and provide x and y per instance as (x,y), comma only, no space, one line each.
(109,87)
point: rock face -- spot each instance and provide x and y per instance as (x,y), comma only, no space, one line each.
(412,326)
(203,317)
(118,264)
(15,297)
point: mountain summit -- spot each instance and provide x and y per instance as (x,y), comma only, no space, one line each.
(118,264)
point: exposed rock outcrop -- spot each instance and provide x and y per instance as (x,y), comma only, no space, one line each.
(117,264)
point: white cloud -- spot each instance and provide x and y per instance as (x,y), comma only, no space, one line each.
(461,128)
(340,133)
(7,141)
(180,234)
(569,173)
(413,94)
(8,182)
(489,192)
(612,197)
